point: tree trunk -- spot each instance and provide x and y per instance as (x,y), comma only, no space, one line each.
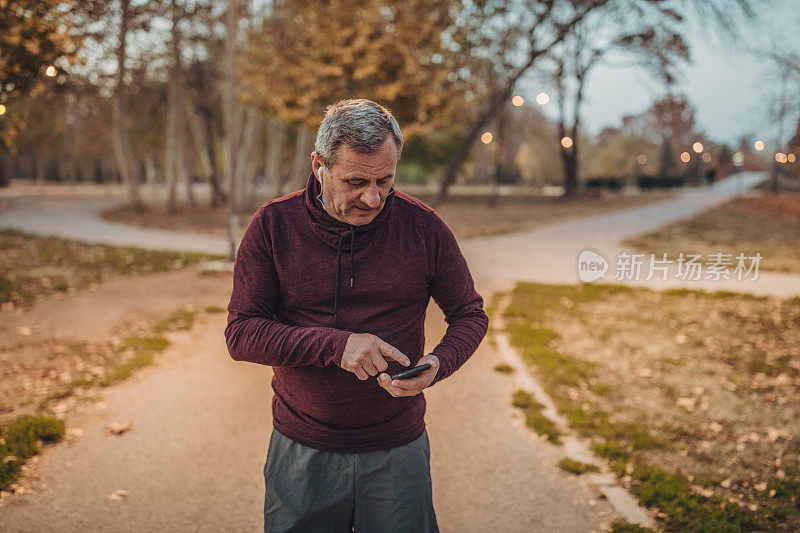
(70,164)
(123,153)
(301,159)
(231,103)
(41,170)
(172,154)
(205,150)
(276,136)
(150,171)
(245,164)
(496,102)
(198,138)
(6,169)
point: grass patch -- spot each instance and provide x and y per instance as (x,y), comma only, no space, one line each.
(685,510)
(182,319)
(125,370)
(534,418)
(668,372)
(622,526)
(33,267)
(134,352)
(216,309)
(769,225)
(19,442)
(504,368)
(576,467)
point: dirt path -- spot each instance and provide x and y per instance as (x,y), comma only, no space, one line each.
(193,459)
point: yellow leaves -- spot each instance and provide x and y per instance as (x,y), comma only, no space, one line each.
(364,48)
(32,47)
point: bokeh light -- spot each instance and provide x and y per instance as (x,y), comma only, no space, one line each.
(2,109)
(758,145)
(641,159)
(542,98)
(707,157)
(697,147)
(780,157)
(791,158)
(50,71)
(566,142)
(486,138)
(518,100)
(685,157)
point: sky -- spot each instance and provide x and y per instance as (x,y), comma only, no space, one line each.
(733,91)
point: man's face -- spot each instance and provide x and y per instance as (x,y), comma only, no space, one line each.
(356,187)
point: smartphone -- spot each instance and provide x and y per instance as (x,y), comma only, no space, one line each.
(412,372)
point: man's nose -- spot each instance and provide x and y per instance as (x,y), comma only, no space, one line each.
(371,197)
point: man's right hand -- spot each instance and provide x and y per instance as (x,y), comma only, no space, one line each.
(365,355)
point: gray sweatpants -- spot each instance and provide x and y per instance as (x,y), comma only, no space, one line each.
(316,491)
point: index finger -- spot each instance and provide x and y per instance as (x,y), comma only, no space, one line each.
(387,350)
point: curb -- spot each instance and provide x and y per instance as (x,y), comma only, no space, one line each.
(574,447)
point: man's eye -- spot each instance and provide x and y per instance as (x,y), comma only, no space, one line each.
(356,183)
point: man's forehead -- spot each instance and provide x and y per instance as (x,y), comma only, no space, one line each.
(386,149)
(349,160)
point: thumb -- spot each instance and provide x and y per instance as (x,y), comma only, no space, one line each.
(390,352)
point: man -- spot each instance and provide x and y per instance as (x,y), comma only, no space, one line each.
(330,287)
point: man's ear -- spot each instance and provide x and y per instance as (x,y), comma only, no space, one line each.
(317,166)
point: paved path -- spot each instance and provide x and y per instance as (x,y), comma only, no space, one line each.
(550,254)
(201,420)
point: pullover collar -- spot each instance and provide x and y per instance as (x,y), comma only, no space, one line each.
(334,232)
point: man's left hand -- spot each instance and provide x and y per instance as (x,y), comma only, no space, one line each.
(413,386)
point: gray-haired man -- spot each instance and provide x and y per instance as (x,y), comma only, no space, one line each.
(331,285)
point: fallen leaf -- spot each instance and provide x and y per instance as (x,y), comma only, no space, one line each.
(118,495)
(687,403)
(761,487)
(774,434)
(8,458)
(118,428)
(726,483)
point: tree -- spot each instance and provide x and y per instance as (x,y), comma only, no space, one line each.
(786,62)
(34,35)
(644,32)
(671,121)
(373,49)
(107,27)
(512,42)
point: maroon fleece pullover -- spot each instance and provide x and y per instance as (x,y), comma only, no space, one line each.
(304,281)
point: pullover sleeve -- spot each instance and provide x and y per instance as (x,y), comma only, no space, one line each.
(454,292)
(252,333)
